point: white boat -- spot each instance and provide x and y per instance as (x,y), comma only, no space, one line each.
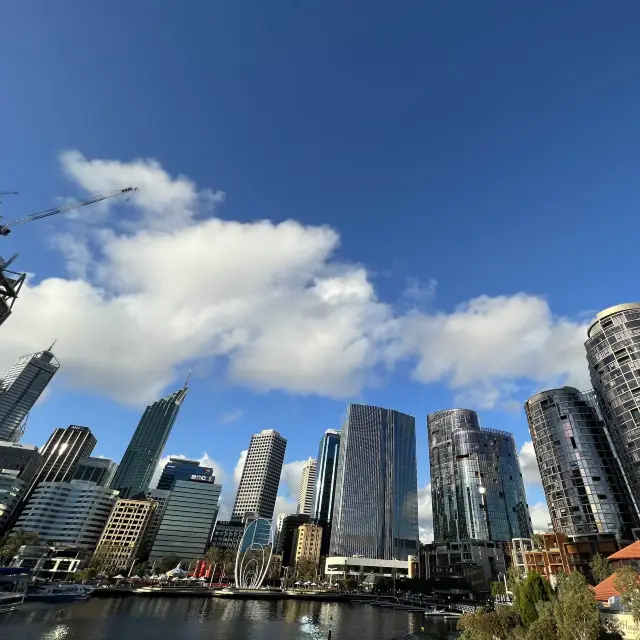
(58,593)
(442,613)
(13,587)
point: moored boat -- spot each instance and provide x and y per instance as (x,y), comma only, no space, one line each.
(13,587)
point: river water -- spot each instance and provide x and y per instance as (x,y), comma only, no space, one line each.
(140,618)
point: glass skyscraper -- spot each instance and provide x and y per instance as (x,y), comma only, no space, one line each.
(20,389)
(144,450)
(582,482)
(613,354)
(376,499)
(98,470)
(181,469)
(477,489)
(326,471)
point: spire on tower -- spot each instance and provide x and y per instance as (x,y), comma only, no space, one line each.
(52,345)
(186,382)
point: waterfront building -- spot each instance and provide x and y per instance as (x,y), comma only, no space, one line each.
(581,478)
(308,539)
(160,497)
(12,489)
(227,534)
(307,487)
(188,520)
(613,355)
(363,569)
(181,469)
(98,470)
(326,475)
(62,452)
(285,545)
(141,457)
(376,500)
(50,563)
(260,476)
(69,514)
(20,389)
(122,538)
(477,489)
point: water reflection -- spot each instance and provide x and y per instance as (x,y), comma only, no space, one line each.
(136,618)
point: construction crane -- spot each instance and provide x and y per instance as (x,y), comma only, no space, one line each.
(5,229)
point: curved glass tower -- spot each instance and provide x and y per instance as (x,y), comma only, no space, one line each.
(477,490)
(376,500)
(582,483)
(613,354)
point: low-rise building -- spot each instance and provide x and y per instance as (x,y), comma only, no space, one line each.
(359,568)
(121,541)
(308,540)
(70,514)
(50,563)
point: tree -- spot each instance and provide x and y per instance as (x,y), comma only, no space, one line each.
(85,574)
(600,568)
(12,542)
(167,563)
(500,624)
(497,588)
(575,610)
(627,583)
(143,569)
(532,590)
(544,628)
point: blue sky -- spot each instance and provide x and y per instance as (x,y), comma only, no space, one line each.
(464,181)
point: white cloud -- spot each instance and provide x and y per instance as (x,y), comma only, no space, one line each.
(237,471)
(529,466)
(146,298)
(290,479)
(425,514)
(231,416)
(540,517)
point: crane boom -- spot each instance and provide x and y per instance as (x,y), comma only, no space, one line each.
(5,229)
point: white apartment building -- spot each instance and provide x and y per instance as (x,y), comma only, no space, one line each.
(307,487)
(68,513)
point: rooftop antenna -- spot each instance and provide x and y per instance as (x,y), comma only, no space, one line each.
(53,344)
(186,382)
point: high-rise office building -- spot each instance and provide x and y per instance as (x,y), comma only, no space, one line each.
(613,355)
(161,498)
(187,524)
(142,455)
(326,473)
(308,539)
(62,451)
(307,487)
(24,459)
(582,482)
(122,538)
(261,476)
(477,490)
(20,389)
(98,470)
(181,469)
(285,545)
(68,513)
(376,502)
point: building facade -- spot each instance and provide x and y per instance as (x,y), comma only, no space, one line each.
(477,489)
(188,520)
(308,541)
(161,498)
(285,545)
(260,476)
(12,490)
(181,469)
(307,487)
(326,474)
(581,478)
(62,452)
(376,500)
(71,514)
(123,536)
(24,459)
(20,389)
(141,457)
(613,355)
(227,535)
(98,470)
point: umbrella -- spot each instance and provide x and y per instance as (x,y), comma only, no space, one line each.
(134,578)
(119,577)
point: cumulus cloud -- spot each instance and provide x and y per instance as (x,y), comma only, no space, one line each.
(239,468)
(290,478)
(165,284)
(529,466)
(425,514)
(231,416)
(540,517)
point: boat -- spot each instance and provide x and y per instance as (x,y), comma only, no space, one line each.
(58,593)
(13,587)
(442,613)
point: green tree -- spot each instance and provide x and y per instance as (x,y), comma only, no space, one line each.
(600,568)
(497,588)
(85,574)
(544,628)
(12,542)
(143,569)
(167,563)
(626,582)
(532,590)
(575,610)
(501,624)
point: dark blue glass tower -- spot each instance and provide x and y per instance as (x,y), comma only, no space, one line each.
(326,472)
(144,450)
(181,469)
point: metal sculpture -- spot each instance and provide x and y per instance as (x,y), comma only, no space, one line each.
(254,554)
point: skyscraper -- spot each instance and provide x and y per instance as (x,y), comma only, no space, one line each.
(326,484)
(20,389)
(613,354)
(477,490)
(181,469)
(582,482)
(98,470)
(376,501)
(261,476)
(144,450)
(307,487)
